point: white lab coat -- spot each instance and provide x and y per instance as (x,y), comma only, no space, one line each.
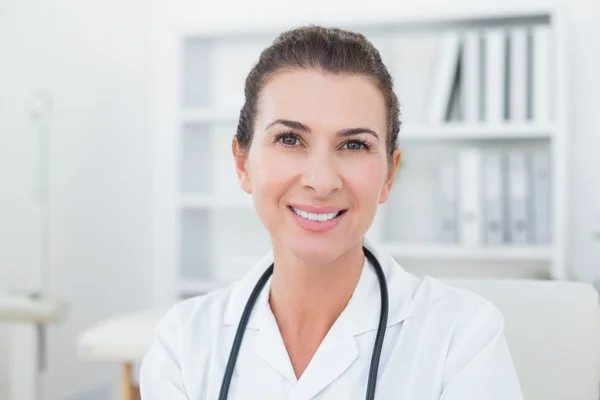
(441,343)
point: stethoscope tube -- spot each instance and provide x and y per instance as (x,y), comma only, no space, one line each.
(377,347)
(383,317)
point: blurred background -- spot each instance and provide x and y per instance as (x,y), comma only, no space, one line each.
(118,193)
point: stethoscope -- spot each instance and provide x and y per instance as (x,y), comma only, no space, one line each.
(237,342)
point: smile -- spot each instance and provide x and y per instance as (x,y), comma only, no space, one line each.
(317,217)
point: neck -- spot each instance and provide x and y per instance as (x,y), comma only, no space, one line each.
(307,298)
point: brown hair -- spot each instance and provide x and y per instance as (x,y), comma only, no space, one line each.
(330,50)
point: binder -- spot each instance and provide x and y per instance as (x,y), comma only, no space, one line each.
(493,198)
(540,71)
(471,77)
(495,77)
(412,59)
(541,194)
(518,199)
(518,75)
(448,201)
(469,171)
(439,93)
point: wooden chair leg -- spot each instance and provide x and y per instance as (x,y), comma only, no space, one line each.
(128,388)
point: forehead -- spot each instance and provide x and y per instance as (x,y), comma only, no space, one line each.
(322,100)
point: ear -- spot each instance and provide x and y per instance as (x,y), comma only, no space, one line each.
(241,165)
(391,178)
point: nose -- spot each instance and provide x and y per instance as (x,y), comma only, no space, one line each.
(321,174)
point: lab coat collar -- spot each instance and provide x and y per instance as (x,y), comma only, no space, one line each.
(339,348)
(365,305)
(362,313)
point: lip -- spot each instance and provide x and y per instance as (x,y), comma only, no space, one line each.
(316,226)
(316,209)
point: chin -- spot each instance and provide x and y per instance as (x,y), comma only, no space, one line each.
(318,251)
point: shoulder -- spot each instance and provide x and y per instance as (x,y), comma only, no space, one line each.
(164,363)
(205,315)
(432,299)
(197,319)
(199,311)
(478,361)
(434,302)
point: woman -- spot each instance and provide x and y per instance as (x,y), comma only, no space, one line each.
(316,148)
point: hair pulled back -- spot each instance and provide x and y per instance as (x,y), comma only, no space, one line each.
(328,50)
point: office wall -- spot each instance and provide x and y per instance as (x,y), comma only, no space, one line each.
(97,59)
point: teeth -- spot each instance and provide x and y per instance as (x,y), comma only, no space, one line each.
(315,217)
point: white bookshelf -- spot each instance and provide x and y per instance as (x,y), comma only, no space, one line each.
(207,233)
(211,202)
(191,287)
(465,253)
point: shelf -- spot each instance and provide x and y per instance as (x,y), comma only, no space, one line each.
(210,115)
(459,131)
(216,202)
(415,252)
(410,20)
(448,131)
(443,252)
(201,285)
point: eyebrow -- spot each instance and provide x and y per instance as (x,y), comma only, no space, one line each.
(299,126)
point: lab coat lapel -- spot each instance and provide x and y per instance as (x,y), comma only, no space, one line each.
(368,294)
(269,344)
(336,354)
(339,349)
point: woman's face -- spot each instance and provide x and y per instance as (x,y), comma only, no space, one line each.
(317,167)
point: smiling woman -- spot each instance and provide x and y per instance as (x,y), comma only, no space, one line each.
(332,315)
(317,143)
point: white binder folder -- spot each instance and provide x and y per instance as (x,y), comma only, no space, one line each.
(439,92)
(493,198)
(541,194)
(448,203)
(518,75)
(495,82)
(412,62)
(469,170)
(472,76)
(541,67)
(518,187)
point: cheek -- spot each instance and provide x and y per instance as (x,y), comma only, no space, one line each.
(270,173)
(366,180)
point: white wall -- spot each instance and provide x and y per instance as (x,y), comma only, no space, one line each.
(585,163)
(96,57)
